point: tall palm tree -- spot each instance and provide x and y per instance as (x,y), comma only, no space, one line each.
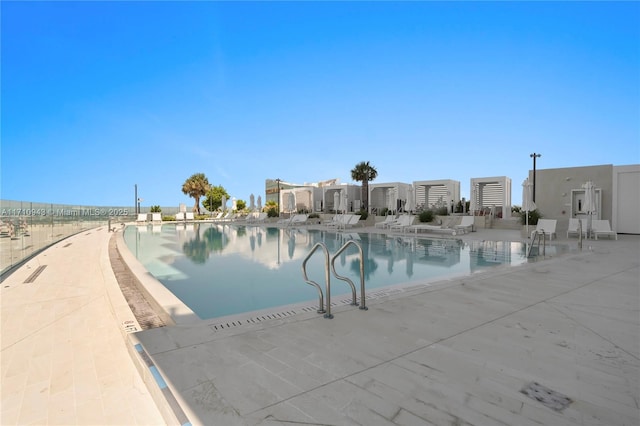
(364,172)
(196,186)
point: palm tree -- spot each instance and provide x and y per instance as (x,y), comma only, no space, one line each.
(196,186)
(364,172)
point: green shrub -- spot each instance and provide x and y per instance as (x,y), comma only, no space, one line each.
(314,216)
(155,209)
(426,216)
(272,212)
(363,214)
(534,215)
(442,211)
(168,218)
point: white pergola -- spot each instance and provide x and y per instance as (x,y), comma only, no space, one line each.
(379,194)
(436,193)
(491,194)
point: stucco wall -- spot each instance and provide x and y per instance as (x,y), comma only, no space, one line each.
(554,186)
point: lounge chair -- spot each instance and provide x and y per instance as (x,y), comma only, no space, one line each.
(602,227)
(466,224)
(284,221)
(389,220)
(574,227)
(226,217)
(432,228)
(352,220)
(334,219)
(339,220)
(250,217)
(142,218)
(299,219)
(260,217)
(156,218)
(404,222)
(180,216)
(189,216)
(547,227)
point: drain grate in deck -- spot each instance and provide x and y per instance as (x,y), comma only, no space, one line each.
(31,278)
(549,398)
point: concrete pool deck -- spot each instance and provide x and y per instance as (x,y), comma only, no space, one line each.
(461,351)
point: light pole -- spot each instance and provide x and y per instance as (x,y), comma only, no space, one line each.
(534,156)
(278,182)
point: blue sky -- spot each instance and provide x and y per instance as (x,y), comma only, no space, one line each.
(100,96)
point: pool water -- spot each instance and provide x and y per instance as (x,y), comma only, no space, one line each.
(226,269)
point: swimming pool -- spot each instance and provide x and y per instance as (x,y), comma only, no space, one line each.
(226,269)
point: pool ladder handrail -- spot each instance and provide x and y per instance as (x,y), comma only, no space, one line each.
(327,278)
(340,277)
(536,235)
(330,267)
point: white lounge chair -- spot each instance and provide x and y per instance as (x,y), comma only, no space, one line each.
(574,227)
(250,217)
(226,217)
(339,221)
(284,221)
(352,221)
(299,219)
(156,218)
(180,216)
(404,222)
(261,217)
(142,218)
(389,220)
(602,227)
(466,224)
(431,228)
(335,218)
(546,226)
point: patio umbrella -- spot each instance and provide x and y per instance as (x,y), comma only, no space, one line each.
(292,202)
(589,202)
(408,205)
(527,201)
(223,203)
(391,200)
(259,203)
(252,202)
(344,202)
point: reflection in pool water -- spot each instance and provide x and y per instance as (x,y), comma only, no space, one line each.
(225,269)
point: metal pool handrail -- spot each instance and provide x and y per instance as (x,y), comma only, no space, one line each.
(327,309)
(353,287)
(537,235)
(321,310)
